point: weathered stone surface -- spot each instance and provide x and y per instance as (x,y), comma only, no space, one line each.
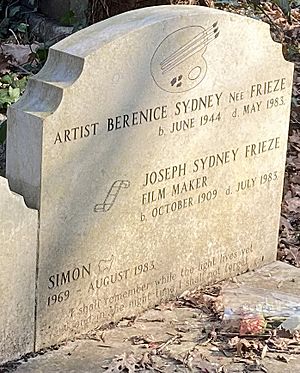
(18,238)
(89,356)
(154,145)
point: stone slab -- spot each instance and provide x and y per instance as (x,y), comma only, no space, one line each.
(89,356)
(277,276)
(154,145)
(18,250)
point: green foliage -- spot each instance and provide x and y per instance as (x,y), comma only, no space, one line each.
(22,27)
(10,89)
(69,19)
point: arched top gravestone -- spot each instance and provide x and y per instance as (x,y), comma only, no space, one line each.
(153,144)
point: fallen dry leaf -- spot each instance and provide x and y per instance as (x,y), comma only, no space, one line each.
(283,358)
(123,363)
(146,362)
(18,53)
(264,352)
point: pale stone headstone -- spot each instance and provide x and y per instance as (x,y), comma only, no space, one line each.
(154,146)
(18,250)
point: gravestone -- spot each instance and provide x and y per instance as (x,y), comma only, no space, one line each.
(153,145)
(18,240)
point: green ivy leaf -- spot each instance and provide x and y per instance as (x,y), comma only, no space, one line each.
(22,27)
(21,83)
(6,79)
(4,98)
(14,93)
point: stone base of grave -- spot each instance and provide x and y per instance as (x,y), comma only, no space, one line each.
(95,353)
(18,250)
